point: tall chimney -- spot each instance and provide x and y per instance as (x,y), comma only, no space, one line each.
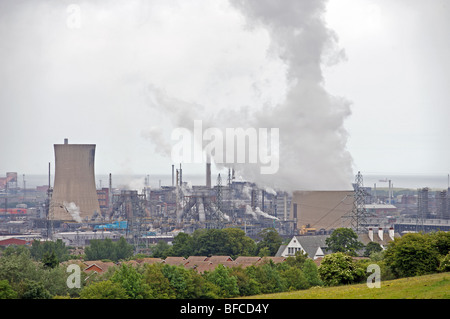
(371,234)
(391,233)
(208,172)
(173,167)
(380,233)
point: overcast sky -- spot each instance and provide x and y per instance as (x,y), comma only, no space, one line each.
(354,84)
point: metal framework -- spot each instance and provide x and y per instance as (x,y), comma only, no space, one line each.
(359,213)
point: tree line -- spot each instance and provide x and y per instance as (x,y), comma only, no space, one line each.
(36,272)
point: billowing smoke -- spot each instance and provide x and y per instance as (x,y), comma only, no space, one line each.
(313,151)
(73,210)
(312,137)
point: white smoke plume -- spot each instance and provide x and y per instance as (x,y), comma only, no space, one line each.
(313,139)
(73,210)
(312,135)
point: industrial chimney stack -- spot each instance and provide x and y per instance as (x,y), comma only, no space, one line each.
(74,194)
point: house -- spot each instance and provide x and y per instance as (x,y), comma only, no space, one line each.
(7,241)
(246,261)
(381,236)
(98,266)
(174,261)
(313,246)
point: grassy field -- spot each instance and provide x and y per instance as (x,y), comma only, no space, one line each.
(436,286)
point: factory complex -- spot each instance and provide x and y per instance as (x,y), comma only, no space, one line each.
(73,209)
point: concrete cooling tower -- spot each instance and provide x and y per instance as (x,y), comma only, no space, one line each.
(74,194)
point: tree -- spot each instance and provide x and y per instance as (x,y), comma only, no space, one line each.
(222,278)
(6,291)
(31,289)
(132,281)
(371,248)
(182,245)
(58,248)
(294,278)
(123,249)
(247,286)
(339,268)
(107,249)
(49,260)
(269,238)
(344,240)
(105,289)
(311,273)
(161,250)
(412,255)
(159,285)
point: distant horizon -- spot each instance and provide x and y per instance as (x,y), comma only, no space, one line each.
(410,181)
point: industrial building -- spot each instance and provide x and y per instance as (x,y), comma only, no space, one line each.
(74,196)
(321,210)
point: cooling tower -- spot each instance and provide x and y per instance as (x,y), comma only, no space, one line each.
(74,194)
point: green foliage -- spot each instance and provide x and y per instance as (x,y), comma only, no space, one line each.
(344,240)
(207,242)
(100,249)
(182,281)
(31,289)
(412,255)
(6,291)
(338,269)
(50,260)
(372,248)
(56,249)
(444,265)
(105,289)
(247,286)
(159,285)
(132,281)
(162,250)
(269,242)
(268,277)
(311,273)
(224,280)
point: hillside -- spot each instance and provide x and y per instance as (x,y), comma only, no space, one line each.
(436,286)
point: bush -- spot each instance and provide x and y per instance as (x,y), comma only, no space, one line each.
(444,265)
(105,289)
(338,269)
(412,255)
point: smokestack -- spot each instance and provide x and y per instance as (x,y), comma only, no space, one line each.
(66,141)
(110,193)
(74,185)
(173,167)
(391,233)
(380,233)
(208,172)
(371,234)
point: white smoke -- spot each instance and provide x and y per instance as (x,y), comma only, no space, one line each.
(73,210)
(313,139)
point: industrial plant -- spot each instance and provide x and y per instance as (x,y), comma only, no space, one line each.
(73,209)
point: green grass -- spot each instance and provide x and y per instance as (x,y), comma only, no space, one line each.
(436,286)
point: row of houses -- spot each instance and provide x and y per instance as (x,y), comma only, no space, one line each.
(198,263)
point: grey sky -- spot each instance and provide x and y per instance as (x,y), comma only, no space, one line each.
(101,79)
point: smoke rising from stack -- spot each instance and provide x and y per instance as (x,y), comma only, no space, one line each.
(313,139)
